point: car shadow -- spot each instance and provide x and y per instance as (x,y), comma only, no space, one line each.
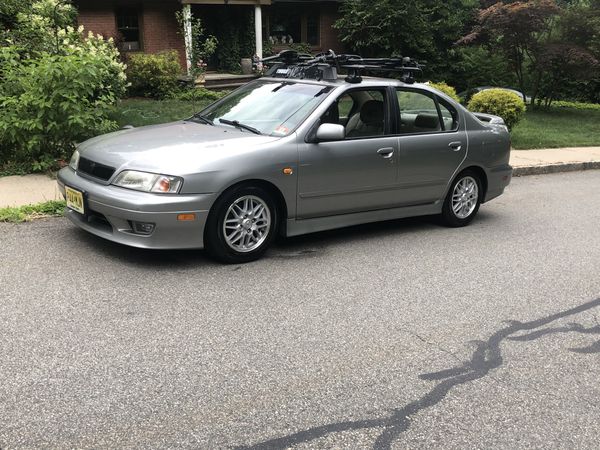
(304,246)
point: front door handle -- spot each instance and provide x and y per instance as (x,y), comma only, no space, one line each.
(455,146)
(386,152)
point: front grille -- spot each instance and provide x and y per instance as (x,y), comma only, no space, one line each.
(95,169)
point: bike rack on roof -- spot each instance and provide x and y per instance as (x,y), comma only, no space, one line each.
(325,66)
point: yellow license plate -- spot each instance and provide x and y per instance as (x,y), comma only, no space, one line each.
(74,199)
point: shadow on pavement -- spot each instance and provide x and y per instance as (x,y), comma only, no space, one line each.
(308,245)
(486,357)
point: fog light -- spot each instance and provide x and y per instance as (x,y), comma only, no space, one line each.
(142,227)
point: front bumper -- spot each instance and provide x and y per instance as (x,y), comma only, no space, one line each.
(111,209)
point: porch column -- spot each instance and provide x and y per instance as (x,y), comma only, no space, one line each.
(187,35)
(258,30)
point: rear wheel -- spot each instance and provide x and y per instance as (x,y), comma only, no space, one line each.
(241,225)
(463,200)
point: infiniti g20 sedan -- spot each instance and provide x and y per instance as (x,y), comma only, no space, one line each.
(287,157)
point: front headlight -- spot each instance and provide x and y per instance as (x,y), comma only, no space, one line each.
(74,162)
(148,182)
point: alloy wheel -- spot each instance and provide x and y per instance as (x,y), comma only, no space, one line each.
(465,197)
(247,223)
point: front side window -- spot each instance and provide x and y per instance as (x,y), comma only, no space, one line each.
(274,108)
(128,27)
(418,112)
(362,112)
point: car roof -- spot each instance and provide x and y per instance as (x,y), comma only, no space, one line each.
(340,81)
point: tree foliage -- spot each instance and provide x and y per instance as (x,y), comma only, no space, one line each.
(422,29)
(545,45)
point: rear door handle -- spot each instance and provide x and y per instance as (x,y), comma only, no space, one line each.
(386,152)
(455,146)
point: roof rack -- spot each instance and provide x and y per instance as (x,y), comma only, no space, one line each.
(325,66)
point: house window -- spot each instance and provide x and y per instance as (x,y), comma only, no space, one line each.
(128,26)
(289,24)
(312,29)
(286,27)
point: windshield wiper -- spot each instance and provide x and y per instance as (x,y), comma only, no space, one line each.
(203,119)
(237,124)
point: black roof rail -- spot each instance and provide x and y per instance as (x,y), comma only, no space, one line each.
(325,66)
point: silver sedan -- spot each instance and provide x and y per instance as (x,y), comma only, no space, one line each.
(288,157)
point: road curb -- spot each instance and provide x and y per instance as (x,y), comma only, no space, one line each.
(555,168)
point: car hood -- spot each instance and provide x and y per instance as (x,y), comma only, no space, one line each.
(172,148)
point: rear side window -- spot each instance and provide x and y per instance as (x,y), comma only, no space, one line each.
(418,112)
(449,115)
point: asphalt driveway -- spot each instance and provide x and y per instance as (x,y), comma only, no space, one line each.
(403,334)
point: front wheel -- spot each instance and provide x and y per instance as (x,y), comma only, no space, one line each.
(463,200)
(241,225)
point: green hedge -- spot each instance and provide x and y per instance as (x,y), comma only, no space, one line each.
(153,75)
(446,89)
(499,102)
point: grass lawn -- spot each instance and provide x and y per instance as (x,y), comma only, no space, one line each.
(557,127)
(139,112)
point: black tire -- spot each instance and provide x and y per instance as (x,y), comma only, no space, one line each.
(215,240)
(449,216)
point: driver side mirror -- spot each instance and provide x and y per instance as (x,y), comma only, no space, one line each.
(330,132)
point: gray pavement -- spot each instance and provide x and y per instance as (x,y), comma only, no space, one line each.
(403,335)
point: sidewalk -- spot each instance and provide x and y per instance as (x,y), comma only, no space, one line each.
(535,162)
(27,189)
(23,190)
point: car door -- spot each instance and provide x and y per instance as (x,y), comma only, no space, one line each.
(432,144)
(356,173)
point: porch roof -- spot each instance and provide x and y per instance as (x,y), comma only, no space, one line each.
(251,2)
(226,2)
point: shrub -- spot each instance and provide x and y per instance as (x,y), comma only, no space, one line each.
(154,76)
(499,102)
(446,89)
(575,105)
(51,101)
(199,94)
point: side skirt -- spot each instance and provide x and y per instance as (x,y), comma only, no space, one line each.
(304,226)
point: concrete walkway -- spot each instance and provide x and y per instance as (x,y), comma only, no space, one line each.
(23,190)
(27,189)
(532,162)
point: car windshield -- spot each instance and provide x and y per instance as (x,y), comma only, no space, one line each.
(274,108)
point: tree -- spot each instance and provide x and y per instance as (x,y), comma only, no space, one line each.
(421,29)
(537,43)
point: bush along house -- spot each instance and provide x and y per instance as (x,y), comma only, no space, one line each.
(243,28)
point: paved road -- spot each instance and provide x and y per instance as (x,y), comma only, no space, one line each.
(402,335)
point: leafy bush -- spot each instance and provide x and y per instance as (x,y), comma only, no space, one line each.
(32,25)
(51,101)
(199,94)
(153,75)
(446,89)
(499,102)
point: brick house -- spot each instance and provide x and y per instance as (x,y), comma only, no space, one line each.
(150,25)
